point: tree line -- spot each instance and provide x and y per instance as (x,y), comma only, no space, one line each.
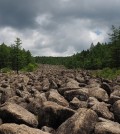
(14,57)
(98,56)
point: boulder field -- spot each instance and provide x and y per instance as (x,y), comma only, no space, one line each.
(55,100)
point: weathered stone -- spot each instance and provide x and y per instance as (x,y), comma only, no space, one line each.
(115,96)
(53,85)
(76,103)
(54,96)
(1,122)
(4,85)
(45,85)
(82,85)
(19,101)
(107,127)
(98,93)
(23,94)
(14,113)
(48,129)
(118,79)
(82,122)
(35,104)
(25,79)
(94,83)
(116,110)
(72,83)
(107,88)
(92,101)
(53,115)
(102,110)
(6,94)
(80,79)
(19,129)
(62,90)
(81,94)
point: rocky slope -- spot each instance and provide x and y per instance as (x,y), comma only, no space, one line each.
(54,100)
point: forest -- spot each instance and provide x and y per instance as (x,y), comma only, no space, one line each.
(14,57)
(98,56)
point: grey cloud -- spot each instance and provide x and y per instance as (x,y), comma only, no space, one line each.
(59,24)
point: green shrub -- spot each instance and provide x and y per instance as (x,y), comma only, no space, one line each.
(30,67)
(107,73)
(5,70)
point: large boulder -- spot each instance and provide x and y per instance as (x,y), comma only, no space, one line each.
(115,95)
(19,129)
(62,90)
(93,82)
(6,94)
(102,110)
(92,101)
(116,110)
(106,87)
(80,79)
(81,94)
(98,93)
(72,83)
(45,84)
(18,100)
(107,127)
(76,103)
(25,79)
(34,105)
(83,122)
(54,96)
(53,115)
(14,113)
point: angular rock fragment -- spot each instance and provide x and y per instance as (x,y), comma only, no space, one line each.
(107,88)
(102,110)
(13,113)
(48,129)
(11,128)
(81,94)
(98,93)
(53,115)
(76,103)
(54,96)
(83,122)
(116,110)
(107,127)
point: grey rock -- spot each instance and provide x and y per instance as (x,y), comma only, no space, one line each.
(14,113)
(53,115)
(83,122)
(107,127)
(19,129)
(54,96)
(76,103)
(99,93)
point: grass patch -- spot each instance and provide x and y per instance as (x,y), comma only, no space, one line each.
(30,67)
(107,73)
(6,70)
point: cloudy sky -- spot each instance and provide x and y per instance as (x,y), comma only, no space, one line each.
(57,27)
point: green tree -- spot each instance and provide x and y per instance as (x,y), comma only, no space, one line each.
(16,54)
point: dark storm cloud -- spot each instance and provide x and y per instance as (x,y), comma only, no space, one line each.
(57,26)
(22,13)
